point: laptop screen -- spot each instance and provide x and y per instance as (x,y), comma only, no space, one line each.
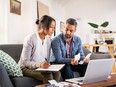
(98,70)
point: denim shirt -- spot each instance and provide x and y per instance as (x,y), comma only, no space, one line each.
(60,51)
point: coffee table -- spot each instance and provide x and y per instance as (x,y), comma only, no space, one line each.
(108,82)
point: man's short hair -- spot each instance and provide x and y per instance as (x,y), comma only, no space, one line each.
(71,21)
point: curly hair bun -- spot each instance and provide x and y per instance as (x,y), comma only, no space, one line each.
(37,21)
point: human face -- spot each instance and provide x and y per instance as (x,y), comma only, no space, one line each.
(69,31)
(51,28)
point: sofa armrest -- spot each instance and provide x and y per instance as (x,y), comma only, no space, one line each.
(95,55)
(4,78)
(6,81)
(25,82)
(86,51)
(14,50)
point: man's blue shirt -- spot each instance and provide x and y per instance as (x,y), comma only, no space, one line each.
(60,51)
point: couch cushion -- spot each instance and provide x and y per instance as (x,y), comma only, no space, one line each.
(11,66)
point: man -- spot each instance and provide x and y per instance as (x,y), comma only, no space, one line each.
(65,46)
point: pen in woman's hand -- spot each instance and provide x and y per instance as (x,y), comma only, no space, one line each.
(46,59)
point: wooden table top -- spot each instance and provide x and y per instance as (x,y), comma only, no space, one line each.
(99,45)
(110,81)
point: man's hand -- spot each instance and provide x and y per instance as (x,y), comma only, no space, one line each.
(44,65)
(74,62)
(86,60)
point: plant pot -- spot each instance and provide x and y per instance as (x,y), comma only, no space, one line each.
(101,39)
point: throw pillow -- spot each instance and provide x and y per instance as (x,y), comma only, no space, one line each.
(10,65)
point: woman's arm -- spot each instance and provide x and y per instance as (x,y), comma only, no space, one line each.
(29,46)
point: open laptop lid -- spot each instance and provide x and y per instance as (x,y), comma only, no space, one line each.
(98,70)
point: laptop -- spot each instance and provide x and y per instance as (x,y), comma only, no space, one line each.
(97,70)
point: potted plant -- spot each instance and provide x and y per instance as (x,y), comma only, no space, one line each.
(101,39)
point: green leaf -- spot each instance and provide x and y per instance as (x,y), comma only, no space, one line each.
(105,24)
(93,25)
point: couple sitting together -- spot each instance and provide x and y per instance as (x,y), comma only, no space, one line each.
(65,46)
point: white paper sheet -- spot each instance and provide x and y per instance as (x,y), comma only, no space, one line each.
(54,67)
(77,57)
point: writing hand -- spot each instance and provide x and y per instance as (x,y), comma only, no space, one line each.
(46,59)
(44,65)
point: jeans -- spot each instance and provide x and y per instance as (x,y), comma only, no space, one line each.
(67,71)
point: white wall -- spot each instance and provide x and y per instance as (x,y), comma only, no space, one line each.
(17,26)
(96,11)
(21,25)
(57,11)
(2,21)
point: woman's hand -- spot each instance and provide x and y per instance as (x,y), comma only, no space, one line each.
(44,65)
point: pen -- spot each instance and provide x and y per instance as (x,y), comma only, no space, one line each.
(46,59)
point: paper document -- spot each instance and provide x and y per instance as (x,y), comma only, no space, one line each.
(87,56)
(54,68)
(75,80)
(54,83)
(61,84)
(68,84)
(77,57)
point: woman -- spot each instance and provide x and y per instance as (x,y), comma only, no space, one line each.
(36,49)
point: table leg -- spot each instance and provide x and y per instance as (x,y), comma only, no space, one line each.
(114,67)
(111,50)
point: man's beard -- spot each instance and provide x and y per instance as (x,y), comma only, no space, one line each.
(68,37)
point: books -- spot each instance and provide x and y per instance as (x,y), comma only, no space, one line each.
(52,68)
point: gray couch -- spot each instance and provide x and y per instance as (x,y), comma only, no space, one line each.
(14,50)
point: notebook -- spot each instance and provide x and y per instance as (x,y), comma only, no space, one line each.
(97,70)
(52,68)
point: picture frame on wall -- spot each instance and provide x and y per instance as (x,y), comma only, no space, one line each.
(15,7)
(62,26)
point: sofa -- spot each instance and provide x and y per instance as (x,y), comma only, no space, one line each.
(14,50)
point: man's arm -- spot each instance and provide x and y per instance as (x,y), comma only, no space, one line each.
(56,47)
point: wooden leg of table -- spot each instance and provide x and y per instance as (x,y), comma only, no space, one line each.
(88,47)
(111,50)
(114,67)
(94,49)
